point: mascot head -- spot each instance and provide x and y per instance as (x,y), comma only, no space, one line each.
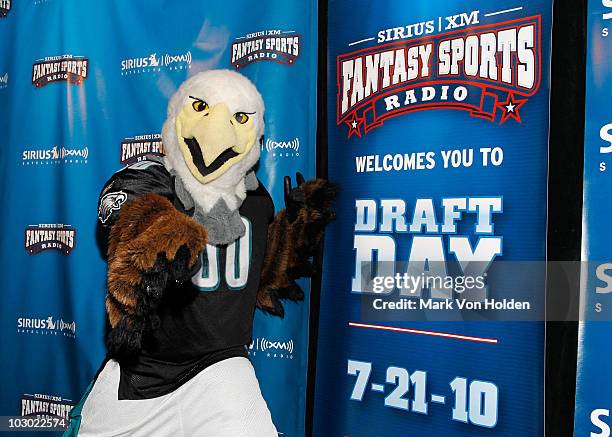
(211,136)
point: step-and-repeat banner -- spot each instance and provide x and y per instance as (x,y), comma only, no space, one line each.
(83,91)
(432,300)
(594,376)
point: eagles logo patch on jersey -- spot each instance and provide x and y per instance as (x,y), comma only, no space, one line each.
(110,202)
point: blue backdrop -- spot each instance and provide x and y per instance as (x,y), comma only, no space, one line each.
(83,90)
(594,378)
(379,374)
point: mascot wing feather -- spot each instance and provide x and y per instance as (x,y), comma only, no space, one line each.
(150,243)
(294,237)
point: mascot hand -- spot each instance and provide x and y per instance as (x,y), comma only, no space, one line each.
(314,197)
(180,269)
(309,208)
(293,238)
(151,243)
(295,199)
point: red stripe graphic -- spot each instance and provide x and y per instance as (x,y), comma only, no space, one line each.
(421,332)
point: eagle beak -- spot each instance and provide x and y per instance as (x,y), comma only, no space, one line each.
(213,139)
(214,133)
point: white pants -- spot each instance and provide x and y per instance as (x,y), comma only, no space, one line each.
(222,400)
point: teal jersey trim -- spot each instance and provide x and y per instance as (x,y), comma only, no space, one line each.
(75,413)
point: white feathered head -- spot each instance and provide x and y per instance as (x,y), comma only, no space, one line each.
(211,135)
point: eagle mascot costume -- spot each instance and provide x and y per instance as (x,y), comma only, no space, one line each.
(193,248)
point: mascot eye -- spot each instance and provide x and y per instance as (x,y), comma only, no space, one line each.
(241,117)
(199,105)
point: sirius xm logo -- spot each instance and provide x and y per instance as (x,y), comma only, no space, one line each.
(42,237)
(288,148)
(141,147)
(281,46)
(4,81)
(272,348)
(64,68)
(46,326)
(55,155)
(155,62)
(5,7)
(45,405)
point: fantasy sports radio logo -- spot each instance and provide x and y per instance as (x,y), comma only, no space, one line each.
(289,148)
(5,7)
(272,349)
(141,147)
(65,68)
(481,70)
(154,62)
(42,237)
(4,81)
(32,405)
(55,155)
(46,326)
(269,45)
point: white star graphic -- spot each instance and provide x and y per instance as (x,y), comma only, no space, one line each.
(354,124)
(510,107)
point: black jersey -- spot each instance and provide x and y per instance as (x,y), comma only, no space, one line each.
(207,319)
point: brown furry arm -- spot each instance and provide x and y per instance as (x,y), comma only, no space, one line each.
(293,238)
(146,244)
